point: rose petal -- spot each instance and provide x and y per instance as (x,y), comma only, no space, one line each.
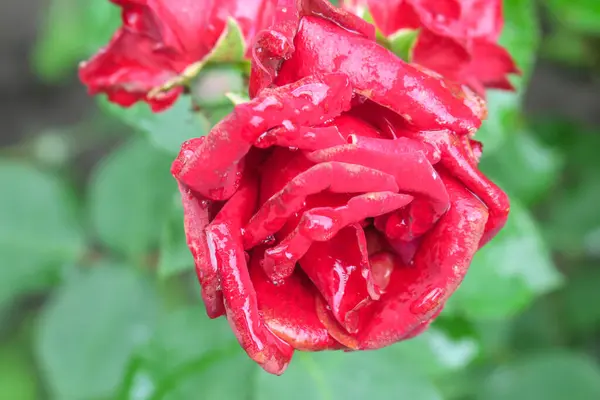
(340,270)
(333,176)
(322,223)
(416,292)
(320,98)
(377,74)
(289,309)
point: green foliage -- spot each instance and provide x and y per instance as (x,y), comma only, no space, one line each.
(581,15)
(75,325)
(335,375)
(186,356)
(166,130)
(130,196)
(91,327)
(61,45)
(551,376)
(524,166)
(37,238)
(175,257)
(403,42)
(509,272)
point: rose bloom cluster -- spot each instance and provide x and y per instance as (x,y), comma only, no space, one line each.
(341,206)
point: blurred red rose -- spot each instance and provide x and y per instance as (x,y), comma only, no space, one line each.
(341,206)
(159,39)
(458,38)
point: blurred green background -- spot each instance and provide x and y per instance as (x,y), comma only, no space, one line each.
(97,295)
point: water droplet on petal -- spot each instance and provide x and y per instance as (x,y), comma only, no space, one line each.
(428,301)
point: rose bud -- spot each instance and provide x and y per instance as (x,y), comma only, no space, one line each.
(457,38)
(159,39)
(341,206)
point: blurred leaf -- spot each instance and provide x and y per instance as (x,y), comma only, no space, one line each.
(520,36)
(509,272)
(175,256)
(581,299)
(503,117)
(168,129)
(581,15)
(90,329)
(549,376)
(525,167)
(72,30)
(571,221)
(540,327)
(339,375)
(211,87)
(231,46)
(402,43)
(191,354)
(17,373)
(435,353)
(216,114)
(131,192)
(39,232)
(567,47)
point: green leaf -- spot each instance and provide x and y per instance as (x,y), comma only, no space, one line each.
(131,193)
(581,297)
(338,375)
(550,376)
(231,46)
(521,35)
(17,373)
(175,256)
(582,15)
(90,329)
(72,30)
(39,232)
(166,130)
(504,116)
(572,224)
(524,166)
(190,354)
(403,42)
(434,353)
(509,272)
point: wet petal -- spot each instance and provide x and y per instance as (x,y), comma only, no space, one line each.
(303,138)
(416,292)
(196,218)
(414,175)
(289,309)
(340,270)
(227,254)
(333,176)
(321,98)
(323,223)
(376,73)
(276,43)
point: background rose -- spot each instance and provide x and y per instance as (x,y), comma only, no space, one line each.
(159,39)
(314,212)
(457,38)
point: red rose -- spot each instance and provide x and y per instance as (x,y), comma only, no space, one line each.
(341,206)
(458,38)
(159,39)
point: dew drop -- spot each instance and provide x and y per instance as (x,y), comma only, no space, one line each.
(427,302)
